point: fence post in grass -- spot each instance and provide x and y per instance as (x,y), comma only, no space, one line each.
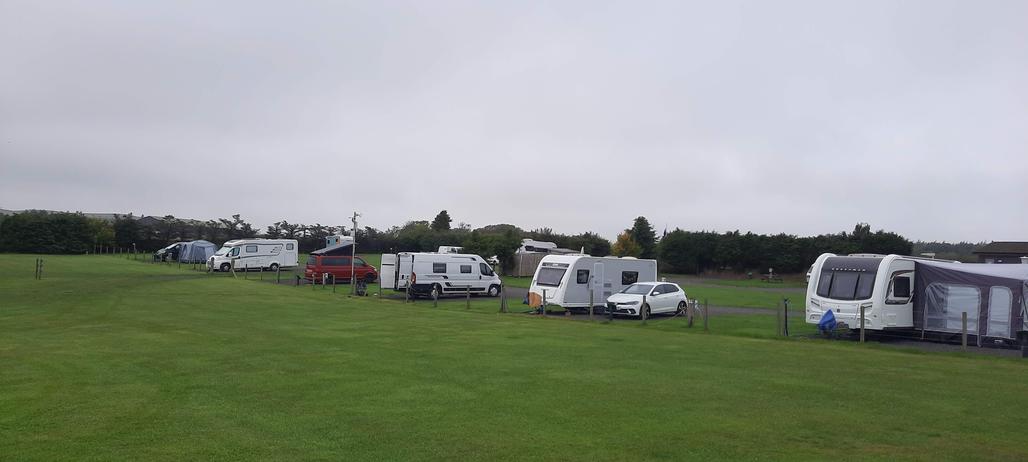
(262,273)
(862,308)
(642,310)
(592,305)
(706,315)
(691,311)
(503,298)
(278,274)
(435,299)
(963,331)
(542,307)
(785,318)
(467,297)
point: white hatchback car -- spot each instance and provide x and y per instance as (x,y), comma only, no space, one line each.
(661,297)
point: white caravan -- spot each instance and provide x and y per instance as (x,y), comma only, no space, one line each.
(450,249)
(436,274)
(881,284)
(270,254)
(533,246)
(568,279)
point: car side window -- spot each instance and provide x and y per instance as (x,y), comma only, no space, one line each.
(235,251)
(668,289)
(358,262)
(657,290)
(485,269)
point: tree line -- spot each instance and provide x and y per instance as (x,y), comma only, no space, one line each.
(678,251)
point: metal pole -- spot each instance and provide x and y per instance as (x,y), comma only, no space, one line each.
(963,331)
(353,255)
(862,308)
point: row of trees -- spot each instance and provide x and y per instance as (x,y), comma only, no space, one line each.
(678,251)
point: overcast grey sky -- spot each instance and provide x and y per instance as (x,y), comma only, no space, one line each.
(797,117)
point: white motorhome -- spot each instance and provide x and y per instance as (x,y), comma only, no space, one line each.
(246,254)
(568,279)
(450,249)
(533,246)
(437,274)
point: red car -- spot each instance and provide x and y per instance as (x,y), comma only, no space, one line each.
(339,268)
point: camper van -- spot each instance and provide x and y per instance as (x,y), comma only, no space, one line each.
(246,254)
(903,292)
(450,249)
(568,279)
(437,274)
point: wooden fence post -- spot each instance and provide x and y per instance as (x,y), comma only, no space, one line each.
(642,310)
(778,326)
(706,315)
(591,304)
(691,311)
(963,331)
(467,295)
(862,323)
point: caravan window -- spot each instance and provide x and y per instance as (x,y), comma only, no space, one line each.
(251,249)
(439,268)
(629,277)
(846,285)
(289,246)
(465,269)
(583,276)
(550,276)
(899,290)
(1000,301)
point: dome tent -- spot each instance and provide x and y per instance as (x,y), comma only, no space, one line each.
(196,251)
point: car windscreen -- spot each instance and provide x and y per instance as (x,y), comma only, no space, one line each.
(550,276)
(223,251)
(638,289)
(312,260)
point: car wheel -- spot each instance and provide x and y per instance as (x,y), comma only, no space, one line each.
(225,267)
(644,310)
(494,290)
(681,307)
(370,277)
(273,268)
(436,291)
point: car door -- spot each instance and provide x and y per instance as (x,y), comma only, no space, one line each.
(674,297)
(655,299)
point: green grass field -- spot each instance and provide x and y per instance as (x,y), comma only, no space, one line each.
(109,359)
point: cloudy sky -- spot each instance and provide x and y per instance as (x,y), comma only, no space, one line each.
(797,117)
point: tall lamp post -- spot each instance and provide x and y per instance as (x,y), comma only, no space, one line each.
(353,255)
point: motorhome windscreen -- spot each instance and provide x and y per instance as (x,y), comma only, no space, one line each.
(550,276)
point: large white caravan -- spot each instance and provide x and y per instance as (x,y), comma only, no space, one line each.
(568,279)
(435,274)
(880,283)
(244,254)
(902,292)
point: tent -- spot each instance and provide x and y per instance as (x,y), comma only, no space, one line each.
(993,296)
(196,251)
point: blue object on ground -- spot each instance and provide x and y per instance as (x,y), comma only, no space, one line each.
(827,323)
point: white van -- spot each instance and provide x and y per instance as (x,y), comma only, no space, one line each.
(437,274)
(269,254)
(567,279)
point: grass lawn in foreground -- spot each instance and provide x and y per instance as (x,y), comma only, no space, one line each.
(109,359)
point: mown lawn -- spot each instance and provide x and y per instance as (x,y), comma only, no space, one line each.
(108,359)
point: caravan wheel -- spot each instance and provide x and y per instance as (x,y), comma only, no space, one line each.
(273,267)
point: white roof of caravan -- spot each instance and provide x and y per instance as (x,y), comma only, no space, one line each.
(573,258)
